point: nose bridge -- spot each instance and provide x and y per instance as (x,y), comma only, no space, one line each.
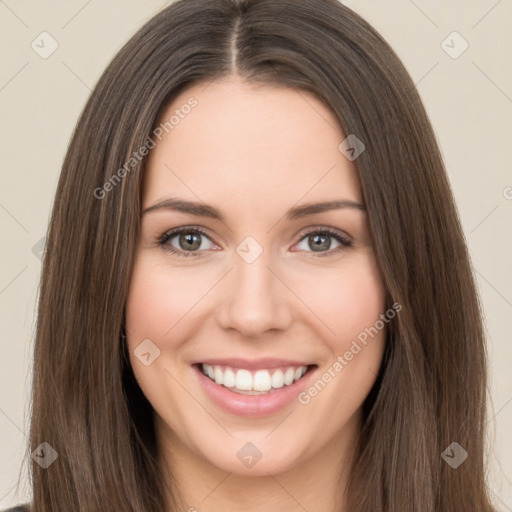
(253,278)
(255,300)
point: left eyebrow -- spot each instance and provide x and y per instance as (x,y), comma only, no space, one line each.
(206,210)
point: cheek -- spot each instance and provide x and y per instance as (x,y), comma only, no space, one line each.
(351,305)
(346,301)
(159,298)
(145,300)
(362,301)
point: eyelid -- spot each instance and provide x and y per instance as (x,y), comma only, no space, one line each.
(342,238)
(171,233)
(324,229)
(345,242)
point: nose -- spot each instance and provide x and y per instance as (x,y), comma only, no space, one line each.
(254,299)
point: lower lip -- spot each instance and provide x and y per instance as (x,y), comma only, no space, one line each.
(252,405)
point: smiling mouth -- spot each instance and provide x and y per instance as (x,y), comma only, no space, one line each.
(254,382)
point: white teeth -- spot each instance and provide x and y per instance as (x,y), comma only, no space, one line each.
(218,375)
(289,376)
(261,380)
(243,380)
(278,379)
(229,378)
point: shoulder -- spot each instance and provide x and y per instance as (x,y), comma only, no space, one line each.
(18,508)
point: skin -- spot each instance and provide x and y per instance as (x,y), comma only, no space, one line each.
(253,152)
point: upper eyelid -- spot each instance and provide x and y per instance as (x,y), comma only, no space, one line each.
(171,233)
(321,228)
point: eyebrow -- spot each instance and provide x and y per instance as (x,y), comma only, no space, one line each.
(206,210)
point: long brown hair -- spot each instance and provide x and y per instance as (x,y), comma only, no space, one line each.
(432,386)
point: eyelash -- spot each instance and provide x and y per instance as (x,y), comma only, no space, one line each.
(162,241)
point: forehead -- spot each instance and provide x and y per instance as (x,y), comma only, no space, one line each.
(249,145)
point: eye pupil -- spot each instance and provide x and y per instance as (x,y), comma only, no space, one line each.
(190,238)
(315,244)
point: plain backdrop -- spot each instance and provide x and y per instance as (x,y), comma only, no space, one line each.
(467,93)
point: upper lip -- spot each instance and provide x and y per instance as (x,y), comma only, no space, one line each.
(252,364)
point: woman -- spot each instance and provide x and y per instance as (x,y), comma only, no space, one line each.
(256,293)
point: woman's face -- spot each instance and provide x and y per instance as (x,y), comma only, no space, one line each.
(262,293)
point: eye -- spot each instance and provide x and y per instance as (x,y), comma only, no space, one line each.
(188,240)
(321,240)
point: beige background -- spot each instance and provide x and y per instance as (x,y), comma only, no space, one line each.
(469,99)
